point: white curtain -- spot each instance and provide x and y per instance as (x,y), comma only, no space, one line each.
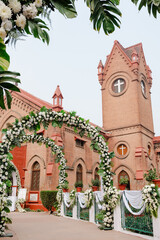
(99,198)
(66,199)
(134,198)
(82,200)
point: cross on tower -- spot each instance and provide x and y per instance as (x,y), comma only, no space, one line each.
(119,85)
(122,148)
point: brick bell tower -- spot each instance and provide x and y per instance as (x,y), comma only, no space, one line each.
(127,113)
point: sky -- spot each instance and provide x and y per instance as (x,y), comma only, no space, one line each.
(72,57)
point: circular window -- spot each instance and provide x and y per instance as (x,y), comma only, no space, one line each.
(122,149)
(118,85)
(143,87)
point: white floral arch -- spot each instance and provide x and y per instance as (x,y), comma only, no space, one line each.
(15,136)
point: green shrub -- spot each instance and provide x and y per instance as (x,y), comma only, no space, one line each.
(151,175)
(27,209)
(123,180)
(95,182)
(65,186)
(78,184)
(48,199)
(39,210)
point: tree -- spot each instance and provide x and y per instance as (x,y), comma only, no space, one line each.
(19,18)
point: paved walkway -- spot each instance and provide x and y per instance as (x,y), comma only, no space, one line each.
(42,226)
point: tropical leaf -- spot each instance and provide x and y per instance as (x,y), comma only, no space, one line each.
(4,57)
(65,7)
(37,27)
(104,13)
(153,6)
(45,13)
(6,85)
(14,35)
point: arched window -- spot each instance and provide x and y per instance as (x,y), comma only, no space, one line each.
(79,173)
(35,176)
(123,174)
(149,150)
(96,176)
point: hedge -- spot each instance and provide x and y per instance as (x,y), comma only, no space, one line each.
(48,199)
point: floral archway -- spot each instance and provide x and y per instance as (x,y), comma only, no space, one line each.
(16,135)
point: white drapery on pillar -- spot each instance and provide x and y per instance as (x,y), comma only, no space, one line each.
(99,198)
(13,197)
(133,198)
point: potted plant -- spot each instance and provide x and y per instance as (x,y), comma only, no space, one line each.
(95,184)
(78,185)
(65,187)
(123,182)
(151,176)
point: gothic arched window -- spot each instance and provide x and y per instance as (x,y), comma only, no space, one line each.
(124,174)
(96,176)
(79,173)
(35,176)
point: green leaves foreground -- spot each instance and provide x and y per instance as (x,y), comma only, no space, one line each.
(104,13)
(153,6)
(7,78)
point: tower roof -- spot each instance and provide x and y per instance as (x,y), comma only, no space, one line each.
(100,64)
(133,49)
(57,92)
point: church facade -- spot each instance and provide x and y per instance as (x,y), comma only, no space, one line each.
(126,82)
(36,164)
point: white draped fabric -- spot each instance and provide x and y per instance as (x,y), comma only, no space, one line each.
(82,200)
(99,198)
(133,198)
(66,199)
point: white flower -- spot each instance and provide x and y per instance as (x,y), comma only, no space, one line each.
(30,11)
(3,34)
(15,6)
(21,21)
(5,12)
(145,190)
(38,3)
(7,25)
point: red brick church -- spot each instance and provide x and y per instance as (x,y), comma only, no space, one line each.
(126,82)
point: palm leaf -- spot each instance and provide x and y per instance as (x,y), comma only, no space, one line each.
(4,57)
(9,73)
(3,79)
(14,35)
(104,13)
(37,27)
(6,86)
(2,98)
(8,97)
(153,6)
(65,7)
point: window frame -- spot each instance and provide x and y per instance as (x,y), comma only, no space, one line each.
(37,173)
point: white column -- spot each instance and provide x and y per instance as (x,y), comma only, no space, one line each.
(74,213)
(156,226)
(14,187)
(62,209)
(117,218)
(92,213)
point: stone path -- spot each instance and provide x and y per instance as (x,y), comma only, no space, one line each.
(42,226)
